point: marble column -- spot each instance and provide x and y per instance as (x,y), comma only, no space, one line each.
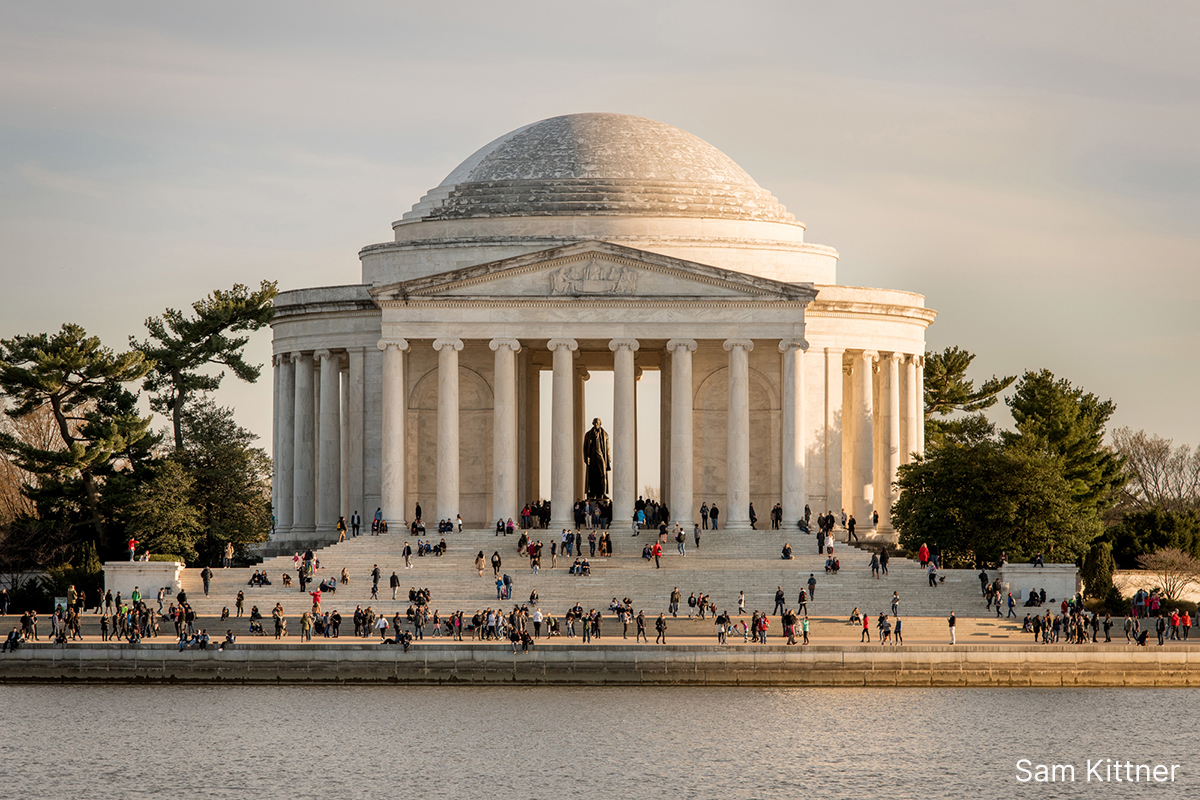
(920,446)
(637,475)
(504,431)
(582,425)
(447,427)
(329,446)
(275,403)
(834,431)
(864,440)
(737,457)
(624,427)
(344,472)
(562,424)
(850,480)
(395,409)
(303,451)
(890,416)
(683,497)
(355,400)
(284,458)
(792,452)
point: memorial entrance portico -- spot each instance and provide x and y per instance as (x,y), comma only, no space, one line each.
(423,383)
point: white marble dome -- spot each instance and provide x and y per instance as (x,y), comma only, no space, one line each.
(599,164)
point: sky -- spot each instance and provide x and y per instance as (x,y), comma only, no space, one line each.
(1032,168)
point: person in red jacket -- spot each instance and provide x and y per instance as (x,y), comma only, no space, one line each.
(866,634)
(657,551)
(133,543)
(923,554)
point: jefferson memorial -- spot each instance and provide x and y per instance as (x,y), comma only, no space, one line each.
(577,244)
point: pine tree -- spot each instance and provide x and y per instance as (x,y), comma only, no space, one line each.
(182,346)
(81,382)
(949,391)
(1059,419)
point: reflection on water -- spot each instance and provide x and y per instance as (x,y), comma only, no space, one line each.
(379,742)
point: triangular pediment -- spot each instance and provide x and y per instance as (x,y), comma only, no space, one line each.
(593,271)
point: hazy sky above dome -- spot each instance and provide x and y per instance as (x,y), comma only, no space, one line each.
(1032,168)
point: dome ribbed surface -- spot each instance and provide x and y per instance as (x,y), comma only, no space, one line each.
(583,164)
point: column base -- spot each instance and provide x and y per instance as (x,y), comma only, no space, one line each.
(739,526)
(560,524)
(884,533)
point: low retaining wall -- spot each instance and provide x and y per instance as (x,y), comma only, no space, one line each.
(147,576)
(1059,580)
(774,665)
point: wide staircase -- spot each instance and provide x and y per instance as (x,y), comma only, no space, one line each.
(724,564)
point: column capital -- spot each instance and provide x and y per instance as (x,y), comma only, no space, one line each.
(279,358)
(296,357)
(399,344)
(582,372)
(683,344)
(454,344)
(895,358)
(617,344)
(637,373)
(511,344)
(327,355)
(793,344)
(917,360)
(556,344)
(869,355)
(745,344)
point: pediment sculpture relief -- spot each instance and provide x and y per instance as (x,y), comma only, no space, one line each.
(593,277)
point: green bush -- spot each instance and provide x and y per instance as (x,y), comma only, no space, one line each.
(35,594)
(165,557)
(1150,531)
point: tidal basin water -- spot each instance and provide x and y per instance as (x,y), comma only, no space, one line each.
(628,743)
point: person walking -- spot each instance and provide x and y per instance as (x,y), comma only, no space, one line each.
(496,563)
(741,604)
(641,629)
(779,598)
(407,552)
(850,534)
(804,630)
(897,632)
(895,603)
(660,625)
(812,587)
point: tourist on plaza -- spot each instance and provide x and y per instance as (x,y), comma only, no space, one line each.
(660,625)
(952,622)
